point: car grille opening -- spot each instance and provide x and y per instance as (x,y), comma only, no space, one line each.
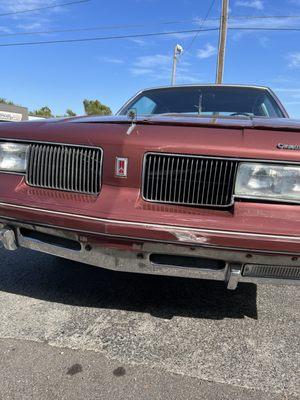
(51,239)
(189,180)
(186,261)
(271,271)
(62,167)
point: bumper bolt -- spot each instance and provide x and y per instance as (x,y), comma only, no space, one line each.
(88,247)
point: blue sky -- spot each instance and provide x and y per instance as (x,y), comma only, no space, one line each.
(62,75)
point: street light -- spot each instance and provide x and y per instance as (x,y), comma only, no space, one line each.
(178,50)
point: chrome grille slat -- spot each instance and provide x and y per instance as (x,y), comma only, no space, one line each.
(185,179)
(195,180)
(176,180)
(50,163)
(30,157)
(34,161)
(189,180)
(203,191)
(167,178)
(180,180)
(63,167)
(152,186)
(223,188)
(56,184)
(97,170)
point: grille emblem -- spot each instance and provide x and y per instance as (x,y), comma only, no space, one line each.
(121,167)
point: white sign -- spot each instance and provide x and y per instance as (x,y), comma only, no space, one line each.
(10,116)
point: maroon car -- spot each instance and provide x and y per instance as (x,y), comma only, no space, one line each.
(188,181)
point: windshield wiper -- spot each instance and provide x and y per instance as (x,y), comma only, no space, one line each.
(199,106)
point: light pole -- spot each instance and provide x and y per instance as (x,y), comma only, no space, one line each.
(178,50)
(222,41)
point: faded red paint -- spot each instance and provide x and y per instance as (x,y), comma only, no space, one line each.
(120,199)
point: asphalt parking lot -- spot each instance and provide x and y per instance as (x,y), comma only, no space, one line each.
(70,331)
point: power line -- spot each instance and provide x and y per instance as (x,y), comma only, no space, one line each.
(245,28)
(201,26)
(151,34)
(265,17)
(132,26)
(106,38)
(44,7)
(96,28)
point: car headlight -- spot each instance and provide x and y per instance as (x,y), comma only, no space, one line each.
(13,157)
(267,181)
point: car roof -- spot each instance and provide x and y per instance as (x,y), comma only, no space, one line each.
(209,85)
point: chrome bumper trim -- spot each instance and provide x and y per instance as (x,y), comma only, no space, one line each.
(137,259)
(169,228)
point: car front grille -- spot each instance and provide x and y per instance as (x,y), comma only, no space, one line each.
(62,167)
(188,180)
(271,271)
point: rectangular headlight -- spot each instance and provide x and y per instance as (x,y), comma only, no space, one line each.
(13,157)
(268,181)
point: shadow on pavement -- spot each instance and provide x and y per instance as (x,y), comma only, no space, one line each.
(62,281)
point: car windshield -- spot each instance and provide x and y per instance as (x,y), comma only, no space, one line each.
(206,101)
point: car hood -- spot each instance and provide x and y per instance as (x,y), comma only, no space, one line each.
(188,120)
(257,138)
(282,124)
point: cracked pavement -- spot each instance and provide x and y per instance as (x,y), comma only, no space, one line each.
(80,331)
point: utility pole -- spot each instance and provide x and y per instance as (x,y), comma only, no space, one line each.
(222,41)
(178,50)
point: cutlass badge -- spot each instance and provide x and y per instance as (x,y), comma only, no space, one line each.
(283,146)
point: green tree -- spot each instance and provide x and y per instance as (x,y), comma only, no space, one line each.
(8,102)
(70,113)
(44,112)
(95,107)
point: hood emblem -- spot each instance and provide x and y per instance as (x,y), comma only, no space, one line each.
(131,114)
(283,146)
(121,167)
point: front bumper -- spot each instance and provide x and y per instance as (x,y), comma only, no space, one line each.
(149,257)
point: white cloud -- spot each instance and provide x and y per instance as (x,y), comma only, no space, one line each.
(157,60)
(292,103)
(264,41)
(141,71)
(33,20)
(110,60)
(281,79)
(288,90)
(257,4)
(4,29)
(207,52)
(10,6)
(187,77)
(289,94)
(151,65)
(138,41)
(294,60)
(31,27)
(158,68)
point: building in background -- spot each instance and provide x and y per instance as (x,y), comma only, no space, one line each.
(12,113)
(34,118)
